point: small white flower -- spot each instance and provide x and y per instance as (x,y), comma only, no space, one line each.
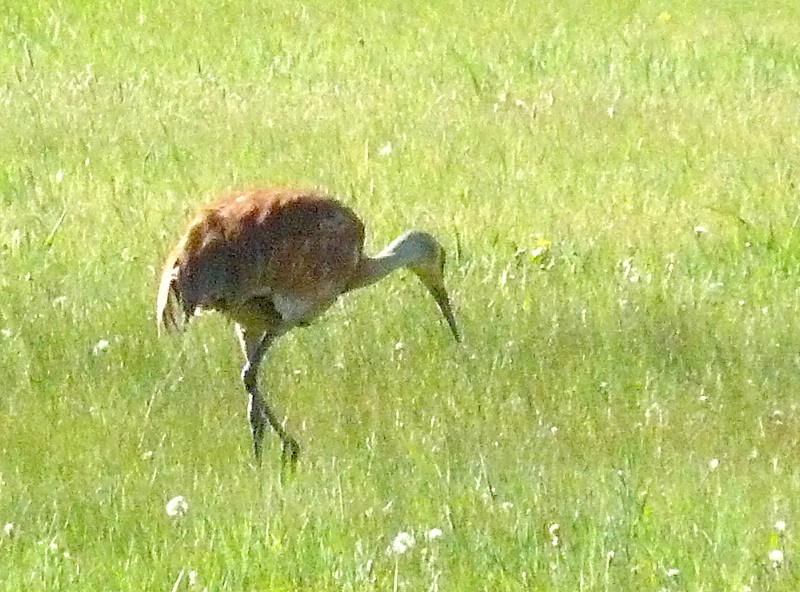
(698,230)
(780,525)
(100,347)
(386,150)
(713,464)
(672,572)
(177,506)
(401,543)
(192,578)
(553,530)
(59,176)
(434,533)
(8,528)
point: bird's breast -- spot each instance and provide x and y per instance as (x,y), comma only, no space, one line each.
(296,311)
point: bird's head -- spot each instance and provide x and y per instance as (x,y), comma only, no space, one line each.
(426,258)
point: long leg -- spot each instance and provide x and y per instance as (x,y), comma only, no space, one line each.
(255,345)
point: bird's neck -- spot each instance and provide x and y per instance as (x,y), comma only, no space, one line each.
(402,252)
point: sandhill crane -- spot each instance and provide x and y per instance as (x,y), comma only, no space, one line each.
(274,259)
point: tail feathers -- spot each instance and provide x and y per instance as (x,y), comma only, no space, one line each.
(168,308)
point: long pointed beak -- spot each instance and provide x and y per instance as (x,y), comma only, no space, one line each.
(442,299)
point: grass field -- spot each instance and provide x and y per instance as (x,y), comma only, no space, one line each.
(616,185)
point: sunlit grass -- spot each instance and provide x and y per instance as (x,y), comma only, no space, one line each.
(616,187)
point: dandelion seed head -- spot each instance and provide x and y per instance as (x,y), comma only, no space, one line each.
(177,506)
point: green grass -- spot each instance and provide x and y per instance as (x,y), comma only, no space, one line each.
(616,185)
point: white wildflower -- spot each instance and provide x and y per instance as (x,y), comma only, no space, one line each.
(713,464)
(100,347)
(434,533)
(177,506)
(780,525)
(401,543)
(386,150)
(8,529)
(672,572)
(776,557)
(553,530)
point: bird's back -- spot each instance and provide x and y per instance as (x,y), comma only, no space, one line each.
(294,245)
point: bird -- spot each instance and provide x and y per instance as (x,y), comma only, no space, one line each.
(273,259)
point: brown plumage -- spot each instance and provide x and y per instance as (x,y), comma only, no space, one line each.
(275,259)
